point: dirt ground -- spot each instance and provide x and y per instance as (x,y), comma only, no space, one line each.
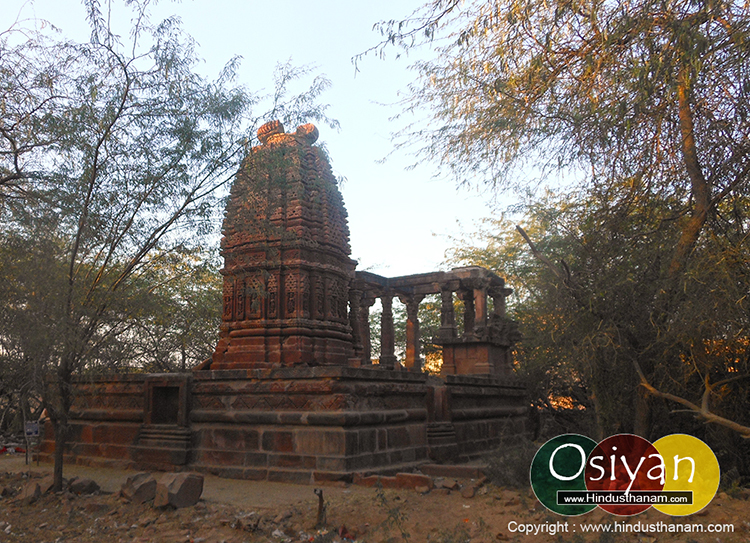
(243,511)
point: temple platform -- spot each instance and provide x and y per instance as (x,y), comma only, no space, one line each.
(298,424)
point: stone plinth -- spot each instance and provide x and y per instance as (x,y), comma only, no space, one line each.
(308,424)
(485,412)
(475,357)
(104,422)
(297,424)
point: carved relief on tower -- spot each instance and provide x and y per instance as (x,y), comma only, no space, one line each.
(286,252)
(273,297)
(344,300)
(318,297)
(254,295)
(337,299)
(304,288)
(228,299)
(239,298)
(290,291)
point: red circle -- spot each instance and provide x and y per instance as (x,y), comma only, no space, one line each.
(634,458)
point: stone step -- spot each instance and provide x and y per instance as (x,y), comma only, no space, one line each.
(175,431)
(173,440)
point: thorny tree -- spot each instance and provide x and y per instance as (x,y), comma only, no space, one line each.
(644,104)
(115,156)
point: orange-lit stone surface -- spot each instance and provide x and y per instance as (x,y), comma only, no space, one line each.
(286,258)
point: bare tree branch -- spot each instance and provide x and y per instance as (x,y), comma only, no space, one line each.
(702,412)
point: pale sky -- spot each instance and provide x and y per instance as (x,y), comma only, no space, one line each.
(399,219)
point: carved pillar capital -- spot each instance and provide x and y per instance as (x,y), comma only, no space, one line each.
(498,295)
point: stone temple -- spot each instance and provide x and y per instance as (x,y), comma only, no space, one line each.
(291,392)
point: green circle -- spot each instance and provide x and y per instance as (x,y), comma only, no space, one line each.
(560,464)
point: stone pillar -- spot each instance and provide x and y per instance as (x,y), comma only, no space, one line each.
(355,321)
(413,358)
(469,315)
(387,334)
(447,315)
(480,306)
(364,325)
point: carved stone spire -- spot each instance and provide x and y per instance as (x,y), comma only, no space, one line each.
(286,251)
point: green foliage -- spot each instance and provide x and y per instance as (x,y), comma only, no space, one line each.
(589,84)
(640,264)
(114,162)
(136,147)
(545,360)
(586,325)
(172,320)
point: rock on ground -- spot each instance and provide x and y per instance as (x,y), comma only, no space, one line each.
(83,485)
(178,490)
(139,488)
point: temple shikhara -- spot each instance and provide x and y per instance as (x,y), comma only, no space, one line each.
(291,392)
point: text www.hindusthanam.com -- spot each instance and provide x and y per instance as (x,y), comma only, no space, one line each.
(634,497)
(553,528)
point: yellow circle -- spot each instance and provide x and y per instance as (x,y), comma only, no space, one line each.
(688,464)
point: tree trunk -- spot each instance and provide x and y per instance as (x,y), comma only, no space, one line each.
(183,357)
(58,406)
(61,431)
(5,413)
(700,189)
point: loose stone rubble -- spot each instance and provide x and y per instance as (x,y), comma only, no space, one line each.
(358,514)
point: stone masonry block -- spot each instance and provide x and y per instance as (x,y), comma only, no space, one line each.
(370,481)
(232,438)
(398,438)
(221,458)
(320,441)
(278,441)
(352,443)
(331,463)
(290,476)
(291,461)
(382,443)
(367,440)
(256,459)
